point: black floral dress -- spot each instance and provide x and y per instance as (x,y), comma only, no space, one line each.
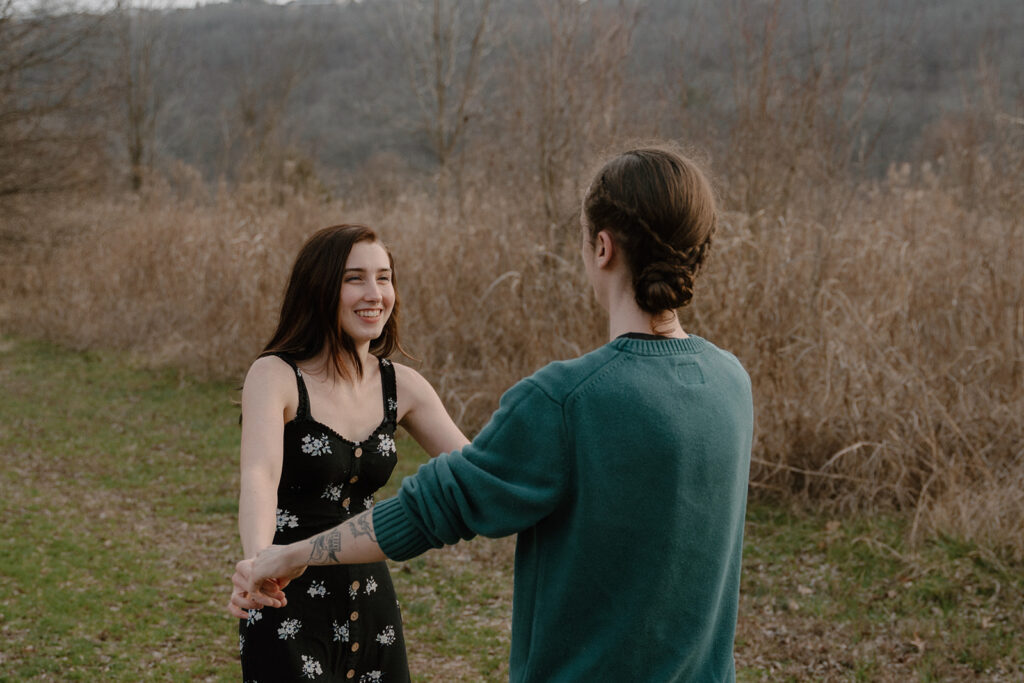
(342,623)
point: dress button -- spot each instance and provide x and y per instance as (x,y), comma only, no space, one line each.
(351,673)
(355,585)
(345,503)
(355,647)
(354,616)
(359,452)
(354,479)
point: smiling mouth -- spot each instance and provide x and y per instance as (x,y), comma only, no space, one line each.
(369,314)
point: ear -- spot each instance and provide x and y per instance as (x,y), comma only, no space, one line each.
(604,249)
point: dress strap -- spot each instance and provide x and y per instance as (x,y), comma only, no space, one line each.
(302,412)
(389,389)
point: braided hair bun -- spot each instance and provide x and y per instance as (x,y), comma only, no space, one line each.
(660,209)
(663,286)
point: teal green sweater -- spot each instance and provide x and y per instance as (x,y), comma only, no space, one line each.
(624,472)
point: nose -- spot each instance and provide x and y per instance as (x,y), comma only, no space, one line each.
(372,292)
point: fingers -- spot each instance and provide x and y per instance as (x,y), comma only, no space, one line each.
(236,611)
(242,602)
(242,578)
(239,580)
(262,600)
(270,595)
(273,588)
(242,583)
(251,592)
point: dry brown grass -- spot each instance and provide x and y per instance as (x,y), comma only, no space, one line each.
(885,347)
(882,322)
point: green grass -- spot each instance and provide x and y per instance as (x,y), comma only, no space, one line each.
(118,536)
(845,599)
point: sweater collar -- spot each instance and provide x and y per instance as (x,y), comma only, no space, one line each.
(651,345)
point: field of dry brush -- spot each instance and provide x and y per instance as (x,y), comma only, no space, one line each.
(882,321)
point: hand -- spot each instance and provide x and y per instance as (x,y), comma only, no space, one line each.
(274,566)
(240,602)
(260,581)
(270,592)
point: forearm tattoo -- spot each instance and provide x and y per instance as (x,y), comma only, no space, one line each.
(363,526)
(326,546)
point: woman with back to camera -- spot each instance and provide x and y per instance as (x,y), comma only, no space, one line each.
(319,411)
(623,471)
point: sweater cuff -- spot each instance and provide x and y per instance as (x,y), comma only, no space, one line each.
(397,536)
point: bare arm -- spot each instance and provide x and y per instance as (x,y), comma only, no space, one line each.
(263,406)
(264,397)
(351,542)
(423,415)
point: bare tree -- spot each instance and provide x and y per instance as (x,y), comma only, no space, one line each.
(48,143)
(266,73)
(568,88)
(801,98)
(445,42)
(142,38)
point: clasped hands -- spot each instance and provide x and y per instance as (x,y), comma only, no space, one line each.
(260,581)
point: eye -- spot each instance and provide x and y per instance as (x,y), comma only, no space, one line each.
(353,278)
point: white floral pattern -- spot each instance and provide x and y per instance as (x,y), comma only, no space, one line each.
(288,628)
(385,362)
(286,519)
(387,636)
(317,589)
(295,634)
(386,445)
(310,667)
(316,446)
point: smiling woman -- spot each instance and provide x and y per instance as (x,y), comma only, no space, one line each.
(319,412)
(333,265)
(367,292)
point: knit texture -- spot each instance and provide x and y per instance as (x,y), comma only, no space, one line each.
(624,472)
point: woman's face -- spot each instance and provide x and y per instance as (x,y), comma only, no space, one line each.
(367,293)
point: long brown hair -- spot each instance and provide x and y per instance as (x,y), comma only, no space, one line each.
(309,313)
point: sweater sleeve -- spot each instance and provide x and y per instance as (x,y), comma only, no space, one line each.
(508,479)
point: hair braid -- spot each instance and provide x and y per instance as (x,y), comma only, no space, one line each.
(663,276)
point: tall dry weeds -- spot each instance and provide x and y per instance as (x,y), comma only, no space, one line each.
(882,322)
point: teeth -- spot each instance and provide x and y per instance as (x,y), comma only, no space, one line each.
(368,314)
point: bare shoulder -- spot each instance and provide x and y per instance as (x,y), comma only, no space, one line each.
(269,374)
(409,379)
(412,384)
